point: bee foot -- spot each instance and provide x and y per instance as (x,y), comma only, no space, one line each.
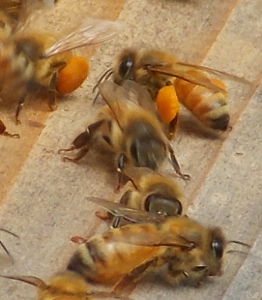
(66,159)
(78,239)
(185,177)
(103,216)
(65,150)
(12,135)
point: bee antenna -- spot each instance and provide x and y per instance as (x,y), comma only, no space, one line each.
(236,251)
(10,232)
(6,251)
(104,77)
(239,243)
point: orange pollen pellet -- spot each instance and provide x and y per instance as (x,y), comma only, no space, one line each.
(72,75)
(167,103)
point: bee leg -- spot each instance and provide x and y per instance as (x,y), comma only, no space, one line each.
(192,277)
(175,164)
(5,133)
(105,216)
(108,217)
(83,141)
(124,200)
(52,91)
(120,167)
(78,239)
(129,281)
(18,109)
(175,277)
(172,128)
(82,152)
(115,222)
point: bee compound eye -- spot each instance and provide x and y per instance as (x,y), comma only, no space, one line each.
(126,67)
(217,248)
(161,205)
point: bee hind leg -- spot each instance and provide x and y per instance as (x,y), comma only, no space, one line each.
(120,166)
(172,128)
(129,281)
(79,155)
(176,165)
(5,133)
(52,91)
(83,141)
(18,109)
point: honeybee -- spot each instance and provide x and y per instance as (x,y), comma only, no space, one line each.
(151,192)
(190,251)
(170,81)
(65,285)
(131,132)
(31,60)
(2,244)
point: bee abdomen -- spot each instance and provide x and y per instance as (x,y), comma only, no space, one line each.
(85,260)
(211,108)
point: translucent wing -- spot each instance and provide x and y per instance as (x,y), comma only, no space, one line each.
(146,235)
(92,31)
(115,96)
(137,234)
(214,71)
(182,72)
(120,210)
(140,95)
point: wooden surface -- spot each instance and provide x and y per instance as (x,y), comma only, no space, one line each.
(43,198)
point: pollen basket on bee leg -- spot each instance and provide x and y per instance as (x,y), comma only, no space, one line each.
(72,75)
(167,103)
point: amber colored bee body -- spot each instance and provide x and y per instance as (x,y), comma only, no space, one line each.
(204,96)
(33,60)
(134,134)
(121,256)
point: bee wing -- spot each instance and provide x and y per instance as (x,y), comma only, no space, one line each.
(115,96)
(214,71)
(35,281)
(120,210)
(141,236)
(181,72)
(92,31)
(140,95)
